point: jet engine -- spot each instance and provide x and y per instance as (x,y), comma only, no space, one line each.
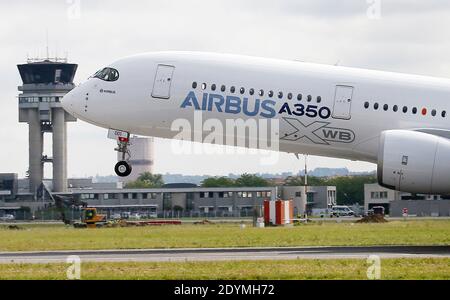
(414,162)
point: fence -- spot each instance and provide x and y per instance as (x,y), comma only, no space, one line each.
(75,214)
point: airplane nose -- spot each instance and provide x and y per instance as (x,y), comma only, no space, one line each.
(70,101)
(67,102)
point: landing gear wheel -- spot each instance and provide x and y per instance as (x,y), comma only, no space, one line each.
(123,169)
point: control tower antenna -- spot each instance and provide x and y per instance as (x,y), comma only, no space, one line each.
(48,54)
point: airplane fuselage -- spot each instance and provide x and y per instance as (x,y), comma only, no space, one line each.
(320,110)
(348,107)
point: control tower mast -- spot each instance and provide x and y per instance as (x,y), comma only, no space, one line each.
(45,82)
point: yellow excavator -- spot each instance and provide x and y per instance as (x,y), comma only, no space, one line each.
(90,219)
(89,216)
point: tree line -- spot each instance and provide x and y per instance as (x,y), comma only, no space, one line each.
(349,189)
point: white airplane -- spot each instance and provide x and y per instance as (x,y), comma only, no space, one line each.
(401,122)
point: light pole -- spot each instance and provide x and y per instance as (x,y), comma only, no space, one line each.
(306,184)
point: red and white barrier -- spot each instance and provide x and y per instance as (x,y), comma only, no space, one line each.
(278,212)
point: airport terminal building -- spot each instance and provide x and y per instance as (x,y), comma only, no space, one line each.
(172,200)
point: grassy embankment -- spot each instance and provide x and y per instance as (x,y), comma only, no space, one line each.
(413,268)
(35,238)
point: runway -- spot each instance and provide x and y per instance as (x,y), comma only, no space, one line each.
(221,254)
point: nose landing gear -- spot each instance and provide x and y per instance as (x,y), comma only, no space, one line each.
(122,168)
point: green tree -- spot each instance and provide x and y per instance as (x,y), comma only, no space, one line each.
(245,180)
(294,181)
(316,181)
(350,189)
(146,180)
(299,181)
(251,180)
(218,182)
(178,208)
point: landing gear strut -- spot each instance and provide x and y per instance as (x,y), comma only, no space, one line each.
(122,168)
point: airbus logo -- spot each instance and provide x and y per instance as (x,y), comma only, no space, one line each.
(107,91)
(317,132)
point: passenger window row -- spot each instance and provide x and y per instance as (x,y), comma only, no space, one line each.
(252,92)
(404,109)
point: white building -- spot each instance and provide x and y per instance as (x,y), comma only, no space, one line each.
(376,195)
(316,197)
(395,202)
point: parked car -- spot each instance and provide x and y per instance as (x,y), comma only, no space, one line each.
(7,218)
(378,210)
(125,215)
(135,216)
(320,212)
(116,216)
(149,215)
(341,211)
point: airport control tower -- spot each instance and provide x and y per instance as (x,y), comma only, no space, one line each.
(45,82)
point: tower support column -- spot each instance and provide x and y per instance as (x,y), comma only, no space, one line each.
(36,147)
(59,151)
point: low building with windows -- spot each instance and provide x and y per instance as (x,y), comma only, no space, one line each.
(172,200)
(395,202)
(376,195)
(8,186)
(189,201)
(317,197)
(200,201)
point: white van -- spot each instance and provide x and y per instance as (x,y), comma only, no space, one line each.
(7,218)
(341,211)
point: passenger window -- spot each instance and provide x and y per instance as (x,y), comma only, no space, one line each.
(433,112)
(299,97)
(251,92)
(261,93)
(290,96)
(223,88)
(366,105)
(414,110)
(405,109)
(444,114)
(242,90)
(194,85)
(395,108)
(232,89)
(309,98)
(270,94)
(375,106)
(280,95)
(319,99)
(213,87)
(386,107)
(204,86)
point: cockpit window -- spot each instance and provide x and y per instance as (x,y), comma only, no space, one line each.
(107,74)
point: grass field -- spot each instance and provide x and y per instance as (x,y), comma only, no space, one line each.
(436,268)
(418,232)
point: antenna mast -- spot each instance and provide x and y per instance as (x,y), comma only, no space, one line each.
(48,54)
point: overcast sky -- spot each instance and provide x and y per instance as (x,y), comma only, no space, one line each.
(410,36)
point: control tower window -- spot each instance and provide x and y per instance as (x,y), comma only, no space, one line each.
(58,75)
(107,74)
